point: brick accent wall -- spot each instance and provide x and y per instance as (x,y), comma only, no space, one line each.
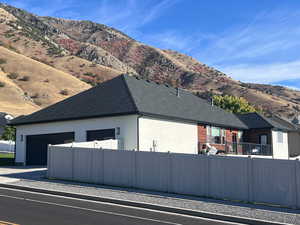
(202,137)
(202,133)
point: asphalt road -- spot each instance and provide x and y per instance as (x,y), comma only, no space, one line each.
(28,208)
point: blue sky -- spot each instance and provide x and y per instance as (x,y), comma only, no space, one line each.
(250,40)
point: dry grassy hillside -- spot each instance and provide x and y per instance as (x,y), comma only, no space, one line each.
(93,53)
(13,99)
(26,40)
(40,84)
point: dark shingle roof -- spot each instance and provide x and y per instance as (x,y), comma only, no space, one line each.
(109,98)
(3,121)
(161,100)
(257,121)
(129,95)
(285,122)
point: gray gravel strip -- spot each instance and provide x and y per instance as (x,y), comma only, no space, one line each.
(260,212)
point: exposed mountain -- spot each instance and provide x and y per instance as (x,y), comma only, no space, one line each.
(63,57)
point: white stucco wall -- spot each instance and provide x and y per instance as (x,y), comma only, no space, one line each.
(280,150)
(127,124)
(170,136)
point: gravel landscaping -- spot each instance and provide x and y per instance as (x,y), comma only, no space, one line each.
(37,179)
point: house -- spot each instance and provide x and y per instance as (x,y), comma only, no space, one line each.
(140,114)
(293,134)
(272,135)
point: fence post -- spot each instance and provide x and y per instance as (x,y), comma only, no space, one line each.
(250,178)
(91,177)
(170,172)
(296,185)
(49,162)
(134,170)
(207,176)
(103,167)
(73,160)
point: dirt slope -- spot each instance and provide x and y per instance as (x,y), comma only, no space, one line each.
(41,84)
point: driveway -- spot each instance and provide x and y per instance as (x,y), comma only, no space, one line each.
(16,173)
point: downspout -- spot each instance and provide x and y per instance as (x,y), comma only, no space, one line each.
(138,132)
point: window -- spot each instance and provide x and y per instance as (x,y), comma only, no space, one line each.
(279,137)
(215,135)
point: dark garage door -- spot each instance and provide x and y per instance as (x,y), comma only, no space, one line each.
(36,146)
(99,135)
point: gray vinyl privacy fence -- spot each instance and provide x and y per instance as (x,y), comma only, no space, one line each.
(247,179)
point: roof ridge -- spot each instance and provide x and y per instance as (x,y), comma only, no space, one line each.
(129,92)
(265,119)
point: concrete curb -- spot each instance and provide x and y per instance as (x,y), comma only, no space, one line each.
(168,209)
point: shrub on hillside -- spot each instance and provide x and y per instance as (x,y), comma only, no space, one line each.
(89,74)
(37,103)
(2,61)
(13,76)
(36,95)
(2,84)
(24,78)
(64,92)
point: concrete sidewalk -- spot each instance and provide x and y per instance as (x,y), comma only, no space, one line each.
(35,178)
(14,174)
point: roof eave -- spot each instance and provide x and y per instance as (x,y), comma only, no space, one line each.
(191,121)
(75,118)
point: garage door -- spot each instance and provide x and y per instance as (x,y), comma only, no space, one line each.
(36,146)
(99,135)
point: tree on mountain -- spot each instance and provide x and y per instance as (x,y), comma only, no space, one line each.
(234,104)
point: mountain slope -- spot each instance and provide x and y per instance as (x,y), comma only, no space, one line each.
(40,84)
(94,53)
(13,99)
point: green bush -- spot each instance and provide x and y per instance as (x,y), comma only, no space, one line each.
(234,104)
(2,84)
(9,133)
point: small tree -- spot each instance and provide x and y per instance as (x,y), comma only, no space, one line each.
(234,104)
(9,133)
